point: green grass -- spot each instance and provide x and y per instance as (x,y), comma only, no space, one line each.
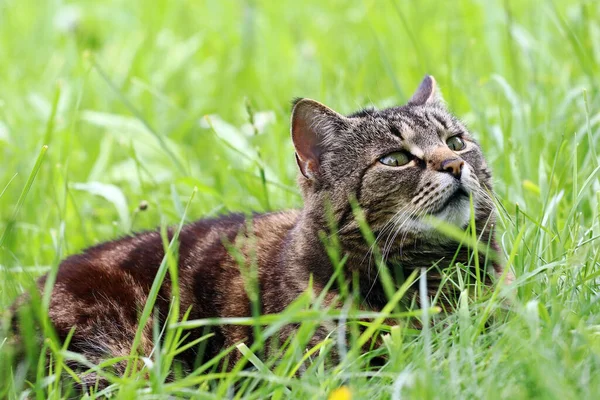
(153,102)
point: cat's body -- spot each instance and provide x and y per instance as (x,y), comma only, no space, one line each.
(103,290)
(396,165)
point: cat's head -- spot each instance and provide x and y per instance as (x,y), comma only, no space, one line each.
(400,164)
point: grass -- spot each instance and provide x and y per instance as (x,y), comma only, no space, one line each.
(184,106)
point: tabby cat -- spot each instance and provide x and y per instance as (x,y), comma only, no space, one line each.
(399,166)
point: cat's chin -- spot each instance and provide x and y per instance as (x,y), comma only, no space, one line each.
(457,213)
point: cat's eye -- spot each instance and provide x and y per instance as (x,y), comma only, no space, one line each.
(455,143)
(396,159)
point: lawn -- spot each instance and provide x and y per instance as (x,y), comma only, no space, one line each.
(121,116)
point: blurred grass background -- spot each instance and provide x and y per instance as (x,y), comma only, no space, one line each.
(142,101)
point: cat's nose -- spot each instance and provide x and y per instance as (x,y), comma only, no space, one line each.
(453,166)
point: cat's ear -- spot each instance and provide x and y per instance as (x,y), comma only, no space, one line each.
(313,126)
(427,93)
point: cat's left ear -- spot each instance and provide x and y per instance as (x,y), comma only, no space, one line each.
(313,127)
(427,93)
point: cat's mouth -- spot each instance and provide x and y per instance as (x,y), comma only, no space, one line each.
(460,194)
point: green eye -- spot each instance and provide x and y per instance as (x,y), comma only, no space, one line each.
(396,159)
(455,143)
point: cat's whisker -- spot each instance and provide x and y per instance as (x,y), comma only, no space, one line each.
(386,230)
(399,222)
(387,227)
(486,199)
(390,224)
(418,216)
(399,227)
(397,218)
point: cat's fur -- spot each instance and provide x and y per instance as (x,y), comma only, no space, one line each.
(102,291)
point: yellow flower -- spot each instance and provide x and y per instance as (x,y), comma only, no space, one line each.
(342,393)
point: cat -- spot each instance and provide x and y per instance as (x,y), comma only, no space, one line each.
(398,165)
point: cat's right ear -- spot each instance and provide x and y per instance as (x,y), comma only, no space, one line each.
(427,93)
(313,126)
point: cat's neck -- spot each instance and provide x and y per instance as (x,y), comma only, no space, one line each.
(309,256)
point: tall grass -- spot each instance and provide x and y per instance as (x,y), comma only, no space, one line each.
(185,106)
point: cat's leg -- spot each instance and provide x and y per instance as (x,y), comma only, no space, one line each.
(97,337)
(102,305)
(104,340)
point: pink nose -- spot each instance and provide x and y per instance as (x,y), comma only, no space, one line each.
(453,166)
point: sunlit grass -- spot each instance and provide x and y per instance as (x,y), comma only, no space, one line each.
(184,106)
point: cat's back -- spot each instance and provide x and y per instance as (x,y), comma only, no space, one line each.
(113,279)
(138,256)
(202,243)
